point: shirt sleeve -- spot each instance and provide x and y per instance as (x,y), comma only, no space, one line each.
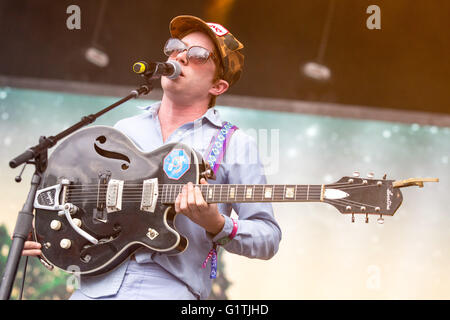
(258,234)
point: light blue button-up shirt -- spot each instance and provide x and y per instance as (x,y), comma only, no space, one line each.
(258,234)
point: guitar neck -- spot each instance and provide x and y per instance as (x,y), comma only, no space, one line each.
(231,193)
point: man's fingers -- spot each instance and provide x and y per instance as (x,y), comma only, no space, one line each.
(191,197)
(31,245)
(183,199)
(34,252)
(177,203)
(200,202)
(31,248)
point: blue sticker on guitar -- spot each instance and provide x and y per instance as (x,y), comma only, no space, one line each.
(176,163)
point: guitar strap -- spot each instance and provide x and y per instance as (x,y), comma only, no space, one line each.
(218,145)
(214,156)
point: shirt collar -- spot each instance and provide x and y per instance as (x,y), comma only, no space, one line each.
(212,115)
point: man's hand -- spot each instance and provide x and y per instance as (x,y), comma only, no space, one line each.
(191,203)
(31,248)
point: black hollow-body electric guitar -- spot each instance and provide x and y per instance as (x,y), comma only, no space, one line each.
(101,199)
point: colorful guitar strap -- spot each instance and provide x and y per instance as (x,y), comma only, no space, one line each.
(216,150)
(214,156)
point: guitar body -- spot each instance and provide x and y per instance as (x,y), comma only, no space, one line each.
(89,159)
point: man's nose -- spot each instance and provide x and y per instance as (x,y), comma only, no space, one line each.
(182,57)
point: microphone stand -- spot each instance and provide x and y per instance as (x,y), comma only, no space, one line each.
(37,155)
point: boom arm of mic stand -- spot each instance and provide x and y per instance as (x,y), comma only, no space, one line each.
(47,143)
(39,154)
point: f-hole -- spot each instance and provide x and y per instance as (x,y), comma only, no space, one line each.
(111,154)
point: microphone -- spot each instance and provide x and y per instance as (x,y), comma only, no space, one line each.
(170,69)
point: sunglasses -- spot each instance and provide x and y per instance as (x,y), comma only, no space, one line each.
(195,54)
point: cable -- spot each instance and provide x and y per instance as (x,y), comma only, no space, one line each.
(23,278)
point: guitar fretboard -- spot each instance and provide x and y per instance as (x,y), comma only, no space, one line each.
(231,193)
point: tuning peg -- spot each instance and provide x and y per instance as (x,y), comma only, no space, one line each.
(353,217)
(370,175)
(356,174)
(384,177)
(380,220)
(367,218)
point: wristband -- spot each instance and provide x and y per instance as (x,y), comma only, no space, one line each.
(213,252)
(223,241)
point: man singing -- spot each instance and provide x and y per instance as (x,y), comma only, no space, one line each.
(211,61)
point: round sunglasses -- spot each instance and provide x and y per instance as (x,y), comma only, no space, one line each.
(195,54)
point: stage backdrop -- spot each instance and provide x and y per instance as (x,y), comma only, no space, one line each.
(322,254)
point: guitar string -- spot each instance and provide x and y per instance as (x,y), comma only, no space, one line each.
(258,192)
(258,187)
(349,202)
(311,197)
(170,194)
(202,187)
(140,184)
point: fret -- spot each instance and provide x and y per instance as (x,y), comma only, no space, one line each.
(248,192)
(204,190)
(240,192)
(236,192)
(289,192)
(301,193)
(307,193)
(231,192)
(225,188)
(268,192)
(210,192)
(215,193)
(260,191)
(178,191)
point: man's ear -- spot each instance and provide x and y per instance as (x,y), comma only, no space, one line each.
(219,87)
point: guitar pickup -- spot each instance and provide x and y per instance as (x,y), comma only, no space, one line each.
(114,195)
(149,195)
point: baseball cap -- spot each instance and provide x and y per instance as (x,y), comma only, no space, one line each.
(228,47)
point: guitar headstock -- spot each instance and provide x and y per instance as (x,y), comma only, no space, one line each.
(356,195)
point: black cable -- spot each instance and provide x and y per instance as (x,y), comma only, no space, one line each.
(23,278)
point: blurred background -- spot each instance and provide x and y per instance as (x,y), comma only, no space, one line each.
(323,93)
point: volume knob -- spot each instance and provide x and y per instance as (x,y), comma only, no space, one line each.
(55,225)
(77,222)
(65,243)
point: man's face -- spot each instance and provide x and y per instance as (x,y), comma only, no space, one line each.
(196,80)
